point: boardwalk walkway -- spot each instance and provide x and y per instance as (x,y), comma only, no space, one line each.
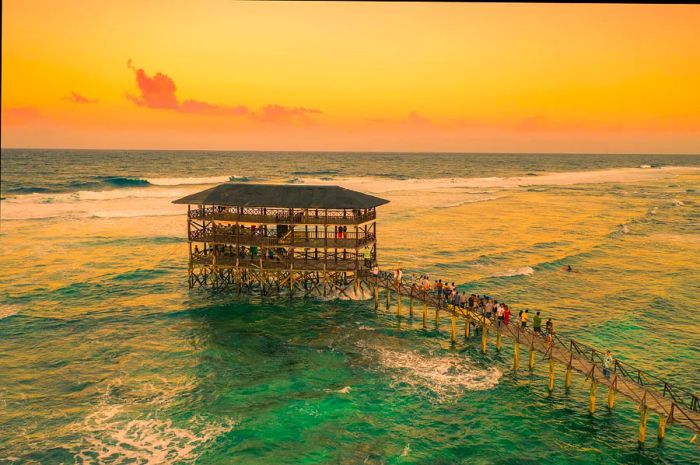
(674,404)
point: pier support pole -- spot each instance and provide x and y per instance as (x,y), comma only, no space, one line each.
(611,395)
(516,355)
(467,329)
(425,315)
(531,361)
(388,298)
(567,377)
(398,302)
(498,339)
(662,427)
(643,415)
(454,329)
(594,389)
(484,332)
(437,317)
(551,375)
(410,305)
(376,298)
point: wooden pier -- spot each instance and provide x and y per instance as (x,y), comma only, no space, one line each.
(673,404)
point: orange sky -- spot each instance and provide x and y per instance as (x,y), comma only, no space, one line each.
(351,76)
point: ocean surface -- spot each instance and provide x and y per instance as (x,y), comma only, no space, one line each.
(106,357)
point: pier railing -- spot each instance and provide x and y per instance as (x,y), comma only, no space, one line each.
(281,216)
(672,402)
(310,239)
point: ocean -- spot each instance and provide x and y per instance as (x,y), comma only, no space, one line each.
(106,357)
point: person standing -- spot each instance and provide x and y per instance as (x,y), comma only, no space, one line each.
(506,315)
(523,319)
(537,323)
(607,363)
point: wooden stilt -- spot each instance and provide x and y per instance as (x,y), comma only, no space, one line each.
(437,317)
(454,329)
(498,339)
(643,416)
(531,361)
(376,298)
(398,302)
(425,315)
(388,298)
(594,388)
(484,332)
(467,329)
(567,377)
(611,395)
(662,427)
(516,355)
(551,375)
(410,305)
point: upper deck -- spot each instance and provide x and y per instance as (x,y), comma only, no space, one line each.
(264,215)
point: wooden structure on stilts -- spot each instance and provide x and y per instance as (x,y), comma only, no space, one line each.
(306,240)
(673,404)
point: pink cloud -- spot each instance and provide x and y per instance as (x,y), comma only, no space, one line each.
(77,98)
(21,116)
(159,92)
(280,114)
(204,108)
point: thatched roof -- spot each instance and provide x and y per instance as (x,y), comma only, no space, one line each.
(282,195)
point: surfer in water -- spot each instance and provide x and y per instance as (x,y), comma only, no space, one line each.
(568,269)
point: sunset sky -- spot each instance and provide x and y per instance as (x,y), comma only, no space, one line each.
(351,76)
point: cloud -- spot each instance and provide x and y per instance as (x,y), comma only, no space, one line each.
(280,114)
(77,98)
(21,116)
(159,92)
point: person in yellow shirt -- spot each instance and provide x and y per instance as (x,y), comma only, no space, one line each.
(523,319)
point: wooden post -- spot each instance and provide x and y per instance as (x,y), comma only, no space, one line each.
(551,374)
(388,298)
(484,332)
(425,315)
(410,305)
(516,355)
(467,329)
(498,339)
(643,415)
(531,362)
(611,394)
(398,300)
(662,427)
(567,377)
(376,298)
(454,329)
(437,317)
(594,388)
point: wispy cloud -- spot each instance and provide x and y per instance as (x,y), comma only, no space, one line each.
(159,92)
(21,116)
(77,98)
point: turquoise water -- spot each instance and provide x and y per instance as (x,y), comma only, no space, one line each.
(106,356)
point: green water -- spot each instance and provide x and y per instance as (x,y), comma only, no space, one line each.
(106,357)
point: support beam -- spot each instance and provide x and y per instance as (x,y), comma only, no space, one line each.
(453,335)
(531,361)
(484,332)
(567,377)
(516,355)
(425,315)
(594,389)
(550,387)
(467,329)
(611,395)
(643,416)
(498,339)
(662,427)
(376,298)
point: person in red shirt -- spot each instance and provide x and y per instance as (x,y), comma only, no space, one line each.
(506,315)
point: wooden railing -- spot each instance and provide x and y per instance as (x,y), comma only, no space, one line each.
(282,216)
(311,239)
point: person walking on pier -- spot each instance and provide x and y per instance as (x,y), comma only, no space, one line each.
(367,255)
(500,311)
(506,315)
(537,323)
(607,363)
(523,319)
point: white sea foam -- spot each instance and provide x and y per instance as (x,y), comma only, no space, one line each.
(464,202)
(189,181)
(447,375)
(345,390)
(112,437)
(522,271)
